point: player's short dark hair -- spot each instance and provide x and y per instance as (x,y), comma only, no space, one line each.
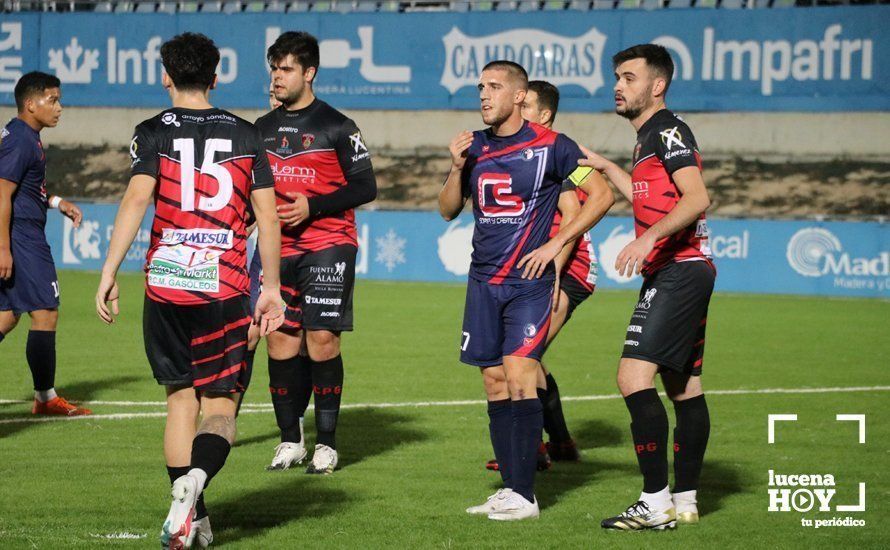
(515,70)
(190,59)
(302,45)
(657,58)
(548,96)
(31,84)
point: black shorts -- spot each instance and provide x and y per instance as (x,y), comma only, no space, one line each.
(575,291)
(203,346)
(668,324)
(317,289)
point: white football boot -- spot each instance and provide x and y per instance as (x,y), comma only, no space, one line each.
(491,503)
(324,461)
(287,454)
(639,517)
(203,534)
(515,507)
(178,531)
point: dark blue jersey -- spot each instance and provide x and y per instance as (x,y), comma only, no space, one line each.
(22,162)
(514,182)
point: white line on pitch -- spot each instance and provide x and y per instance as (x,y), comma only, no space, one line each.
(256,408)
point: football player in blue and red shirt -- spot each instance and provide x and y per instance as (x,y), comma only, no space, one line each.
(28,281)
(514,171)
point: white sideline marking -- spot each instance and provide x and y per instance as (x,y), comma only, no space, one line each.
(256,408)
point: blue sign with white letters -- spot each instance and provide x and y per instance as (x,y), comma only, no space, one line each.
(756,256)
(820,59)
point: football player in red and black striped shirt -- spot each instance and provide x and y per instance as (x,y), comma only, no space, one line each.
(200,166)
(322,172)
(666,334)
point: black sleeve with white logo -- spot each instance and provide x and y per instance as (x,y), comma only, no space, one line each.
(262,172)
(351,150)
(675,145)
(144,151)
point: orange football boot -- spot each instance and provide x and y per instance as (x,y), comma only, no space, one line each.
(58,405)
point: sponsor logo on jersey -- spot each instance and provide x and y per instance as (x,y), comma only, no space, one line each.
(284,148)
(323,301)
(218,238)
(291,129)
(308,140)
(671,137)
(134,152)
(170,118)
(287,173)
(635,328)
(679,153)
(648,296)
(328,274)
(528,154)
(633,343)
(530,330)
(359,147)
(641,189)
(496,198)
(330,313)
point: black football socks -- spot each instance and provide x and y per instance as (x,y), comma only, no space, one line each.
(525,438)
(327,380)
(649,426)
(690,442)
(282,374)
(554,420)
(500,428)
(40,351)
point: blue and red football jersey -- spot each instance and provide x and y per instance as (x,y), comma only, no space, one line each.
(514,182)
(23,162)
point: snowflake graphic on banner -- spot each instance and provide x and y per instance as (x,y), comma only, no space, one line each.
(390,250)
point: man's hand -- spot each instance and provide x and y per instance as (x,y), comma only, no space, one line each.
(295,213)
(5,263)
(269,313)
(108,292)
(71,211)
(458,148)
(536,261)
(593,160)
(633,255)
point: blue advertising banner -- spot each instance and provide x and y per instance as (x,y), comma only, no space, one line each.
(817,59)
(756,256)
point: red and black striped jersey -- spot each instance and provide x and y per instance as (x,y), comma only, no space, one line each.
(205,162)
(581,263)
(313,151)
(665,144)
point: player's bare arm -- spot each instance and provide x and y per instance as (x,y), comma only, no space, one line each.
(269,313)
(451,199)
(694,200)
(569,208)
(138,197)
(7,188)
(619,178)
(600,199)
(69,210)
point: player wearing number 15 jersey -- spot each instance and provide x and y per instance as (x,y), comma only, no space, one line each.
(200,166)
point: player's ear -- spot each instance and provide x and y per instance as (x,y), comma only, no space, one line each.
(658,87)
(546,116)
(166,81)
(520,96)
(309,75)
(214,82)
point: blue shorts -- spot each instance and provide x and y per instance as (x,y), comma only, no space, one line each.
(34,284)
(255,274)
(505,319)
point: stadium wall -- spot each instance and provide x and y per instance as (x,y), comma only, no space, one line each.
(786,257)
(798,60)
(822,135)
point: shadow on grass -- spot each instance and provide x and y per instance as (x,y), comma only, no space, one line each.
(565,477)
(250,514)
(14,422)
(591,434)
(361,434)
(719,480)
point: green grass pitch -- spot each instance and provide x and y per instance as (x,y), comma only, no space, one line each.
(408,471)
